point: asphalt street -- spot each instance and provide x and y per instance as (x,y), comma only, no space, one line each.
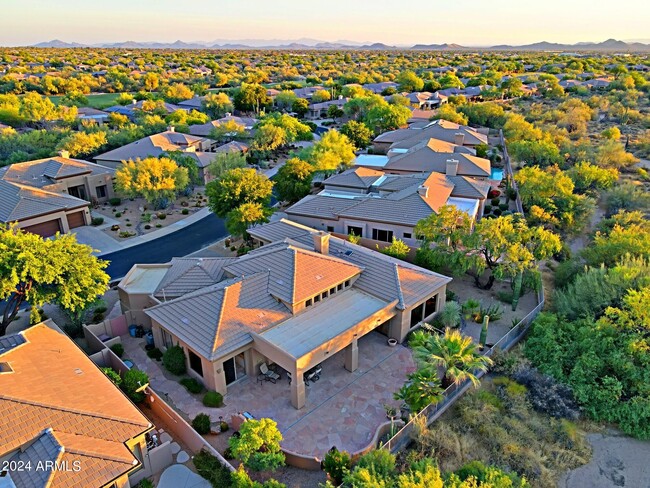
(180,243)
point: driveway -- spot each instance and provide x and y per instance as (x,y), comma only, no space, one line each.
(190,239)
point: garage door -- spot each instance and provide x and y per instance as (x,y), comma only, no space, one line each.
(76,219)
(45,229)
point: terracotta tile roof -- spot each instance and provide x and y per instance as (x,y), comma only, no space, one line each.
(295,273)
(153,145)
(219,318)
(21,202)
(44,172)
(359,177)
(54,385)
(186,275)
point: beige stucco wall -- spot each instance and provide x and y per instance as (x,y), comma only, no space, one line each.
(90,182)
(400,326)
(61,216)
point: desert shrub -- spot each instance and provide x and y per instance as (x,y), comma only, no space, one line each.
(213,399)
(192,385)
(174,360)
(547,395)
(337,465)
(115,201)
(210,468)
(258,445)
(133,380)
(145,483)
(450,314)
(118,214)
(495,202)
(158,226)
(147,227)
(377,468)
(161,215)
(185,211)
(118,349)
(497,212)
(487,209)
(567,271)
(97,221)
(113,375)
(155,353)
(503,207)
(201,423)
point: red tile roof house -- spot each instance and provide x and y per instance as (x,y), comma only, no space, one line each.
(58,407)
(200,148)
(52,195)
(294,302)
(375,205)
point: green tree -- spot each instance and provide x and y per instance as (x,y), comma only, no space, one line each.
(216,105)
(228,130)
(236,187)
(293,128)
(384,117)
(224,162)
(184,160)
(358,133)
(155,179)
(251,97)
(589,177)
(448,112)
(150,81)
(258,445)
(321,96)
(269,138)
(457,354)
(397,249)
(247,215)
(612,154)
(535,153)
(37,271)
(285,100)
(177,92)
(293,180)
(83,143)
(409,82)
(300,106)
(333,151)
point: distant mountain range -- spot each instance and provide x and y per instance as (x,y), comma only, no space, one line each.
(610,45)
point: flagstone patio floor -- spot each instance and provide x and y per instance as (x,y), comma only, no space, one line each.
(343,409)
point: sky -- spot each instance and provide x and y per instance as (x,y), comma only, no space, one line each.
(401,22)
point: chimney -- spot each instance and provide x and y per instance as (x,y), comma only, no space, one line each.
(423,190)
(134,101)
(227,114)
(459,138)
(64,154)
(171,128)
(452,167)
(321,242)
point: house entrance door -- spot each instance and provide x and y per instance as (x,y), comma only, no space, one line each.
(229,370)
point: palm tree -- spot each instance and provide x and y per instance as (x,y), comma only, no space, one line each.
(455,353)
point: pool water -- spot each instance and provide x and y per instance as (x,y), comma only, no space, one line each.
(496,174)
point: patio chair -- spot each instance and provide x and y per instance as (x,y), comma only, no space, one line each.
(270,375)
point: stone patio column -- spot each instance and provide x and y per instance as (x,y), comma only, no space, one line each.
(352,356)
(298,390)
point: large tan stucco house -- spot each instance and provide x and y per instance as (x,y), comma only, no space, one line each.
(52,195)
(200,148)
(376,205)
(58,407)
(300,298)
(442,130)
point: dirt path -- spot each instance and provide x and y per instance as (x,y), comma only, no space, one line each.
(579,243)
(618,461)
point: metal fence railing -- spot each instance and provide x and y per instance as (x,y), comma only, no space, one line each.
(431,412)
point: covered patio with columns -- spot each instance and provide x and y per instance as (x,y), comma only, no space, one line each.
(306,340)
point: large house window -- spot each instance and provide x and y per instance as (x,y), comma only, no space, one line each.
(330,228)
(382,235)
(102,192)
(357,231)
(195,363)
(430,306)
(416,315)
(407,235)
(167,338)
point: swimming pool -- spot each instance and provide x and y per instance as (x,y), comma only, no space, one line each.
(496,174)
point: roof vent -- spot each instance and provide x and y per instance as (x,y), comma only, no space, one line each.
(185,321)
(78,371)
(319,277)
(348,253)
(279,282)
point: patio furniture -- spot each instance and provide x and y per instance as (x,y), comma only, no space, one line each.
(271,375)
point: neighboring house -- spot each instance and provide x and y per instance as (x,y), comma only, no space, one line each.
(308,91)
(443,130)
(135,109)
(92,115)
(58,407)
(319,110)
(375,205)
(378,88)
(204,130)
(200,148)
(434,155)
(194,103)
(5,126)
(52,195)
(293,303)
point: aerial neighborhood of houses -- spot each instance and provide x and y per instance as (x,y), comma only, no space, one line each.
(222,240)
